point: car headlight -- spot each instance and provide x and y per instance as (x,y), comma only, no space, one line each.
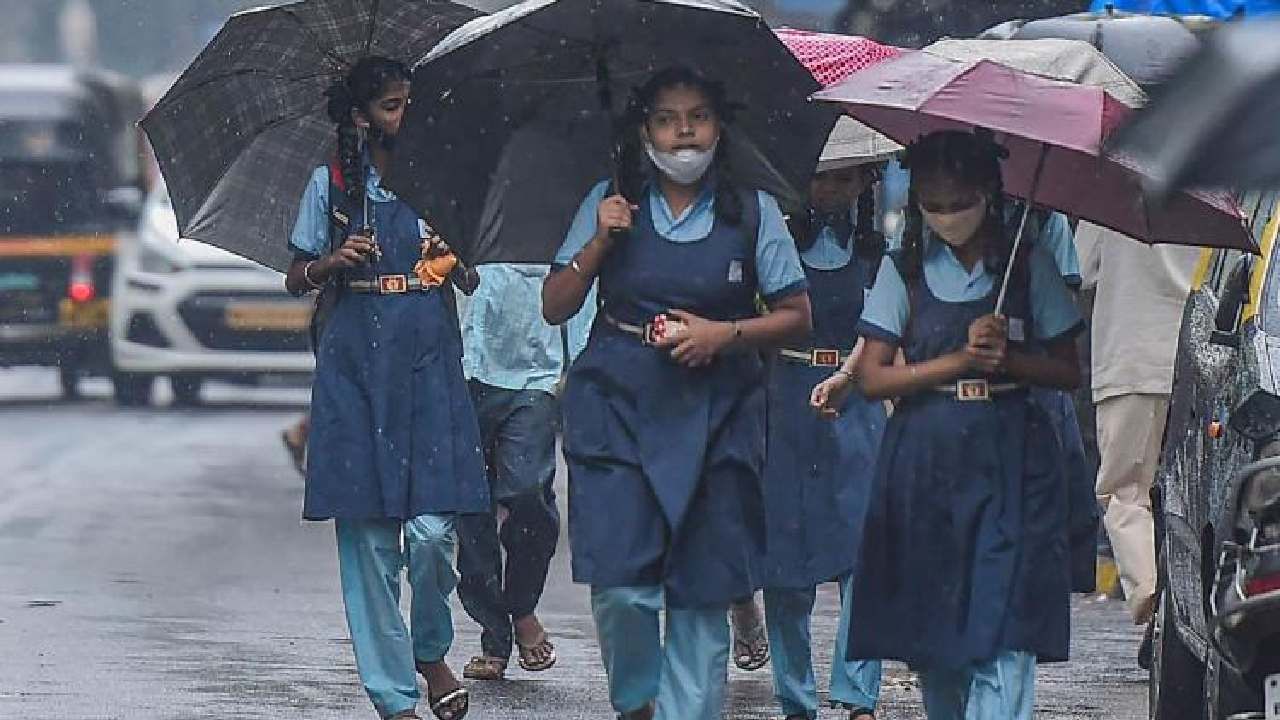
(152,260)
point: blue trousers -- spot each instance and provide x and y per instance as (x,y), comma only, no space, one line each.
(854,683)
(517,429)
(684,673)
(999,689)
(371,556)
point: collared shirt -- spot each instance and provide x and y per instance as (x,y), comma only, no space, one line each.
(505,341)
(1137,312)
(777,261)
(311,230)
(888,307)
(826,252)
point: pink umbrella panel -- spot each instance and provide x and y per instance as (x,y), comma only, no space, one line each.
(831,58)
(919,93)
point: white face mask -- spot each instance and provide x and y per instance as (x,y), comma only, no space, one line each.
(957,228)
(684,167)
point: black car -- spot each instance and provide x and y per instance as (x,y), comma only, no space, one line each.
(1216,631)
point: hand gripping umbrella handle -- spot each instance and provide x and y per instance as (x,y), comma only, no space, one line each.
(1022,228)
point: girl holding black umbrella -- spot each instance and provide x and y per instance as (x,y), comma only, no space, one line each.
(393,451)
(665,409)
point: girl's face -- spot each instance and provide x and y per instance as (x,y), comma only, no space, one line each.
(835,190)
(682,119)
(953,208)
(385,113)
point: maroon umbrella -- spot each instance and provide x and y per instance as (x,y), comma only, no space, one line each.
(1054,131)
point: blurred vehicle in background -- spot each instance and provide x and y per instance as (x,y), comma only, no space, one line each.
(1216,630)
(70,184)
(194,312)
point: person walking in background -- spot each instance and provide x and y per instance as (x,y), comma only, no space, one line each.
(1140,291)
(819,466)
(513,361)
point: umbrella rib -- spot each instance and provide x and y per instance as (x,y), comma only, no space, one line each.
(170,99)
(328,51)
(375,7)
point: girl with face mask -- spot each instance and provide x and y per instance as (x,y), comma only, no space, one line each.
(393,452)
(963,571)
(664,411)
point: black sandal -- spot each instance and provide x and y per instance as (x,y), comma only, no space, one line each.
(751,650)
(537,657)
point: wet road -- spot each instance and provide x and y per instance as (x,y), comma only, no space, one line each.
(153,565)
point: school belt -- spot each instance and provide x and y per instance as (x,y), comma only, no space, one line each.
(977,389)
(388,285)
(644,333)
(815,357)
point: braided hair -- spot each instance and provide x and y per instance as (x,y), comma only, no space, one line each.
(367,81)
(868,242)
(974,159)
(635,169)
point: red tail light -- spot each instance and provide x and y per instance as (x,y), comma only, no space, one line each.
(80,288)
(1262,585)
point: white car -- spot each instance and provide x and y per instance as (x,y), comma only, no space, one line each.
(193,312)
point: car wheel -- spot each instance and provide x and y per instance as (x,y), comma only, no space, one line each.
(186,389)
(132,389)
(69,378)
(1176,688)
(1225,692)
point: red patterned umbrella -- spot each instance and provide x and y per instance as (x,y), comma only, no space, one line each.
(832,58)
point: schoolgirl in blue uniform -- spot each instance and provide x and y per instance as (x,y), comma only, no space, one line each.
(664,433)
(819,469)
(394,450)
(963,571)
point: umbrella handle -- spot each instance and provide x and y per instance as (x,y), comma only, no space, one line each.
(1022,228)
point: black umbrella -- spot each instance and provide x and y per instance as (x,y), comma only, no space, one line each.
(1147,48)
(240,132)
(1217,122)
(511,117)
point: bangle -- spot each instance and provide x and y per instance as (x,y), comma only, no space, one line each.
(847,375)
(306,275)
(576,267)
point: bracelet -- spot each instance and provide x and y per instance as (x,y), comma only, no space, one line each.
(847,375)
(306,275)
(576,267)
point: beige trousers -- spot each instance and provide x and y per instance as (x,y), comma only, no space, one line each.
(1130,430)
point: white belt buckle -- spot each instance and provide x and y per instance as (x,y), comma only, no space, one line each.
(973,390)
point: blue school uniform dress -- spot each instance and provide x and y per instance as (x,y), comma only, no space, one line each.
(394,449)
(817,480)
(964,556)
(665,462)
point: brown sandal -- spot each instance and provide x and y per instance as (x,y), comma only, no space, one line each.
(485,667)
(539,656)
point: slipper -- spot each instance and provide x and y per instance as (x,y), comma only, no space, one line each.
(539,656)
(751,651)
(448,707)
(485,667)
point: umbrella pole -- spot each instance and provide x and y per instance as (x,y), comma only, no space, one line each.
(1022,228)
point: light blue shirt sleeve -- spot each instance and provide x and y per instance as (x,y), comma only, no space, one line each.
(888,306)
(311,229)
(777,260)
(583,227)
(1053,311)
(1057,238)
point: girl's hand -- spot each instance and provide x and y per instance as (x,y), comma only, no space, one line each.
(831,394)
(988,344)
(700,340)
(353,253)
(614,213)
